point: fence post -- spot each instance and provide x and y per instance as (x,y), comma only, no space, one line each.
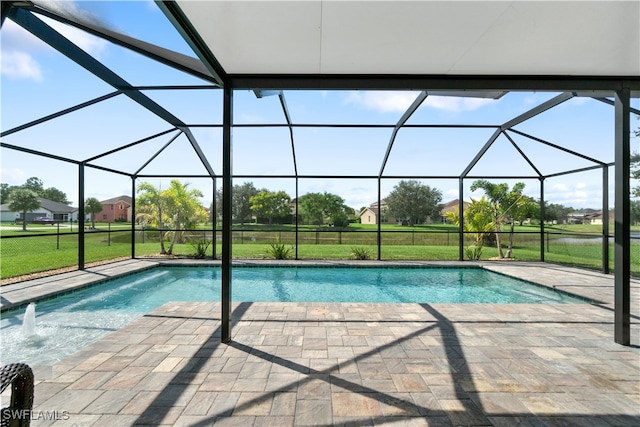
(547,233)
(58,237)
(339,237)
(109,234)
(413,237)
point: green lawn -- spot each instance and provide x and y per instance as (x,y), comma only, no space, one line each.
(41,249)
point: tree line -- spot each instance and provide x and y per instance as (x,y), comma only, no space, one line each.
(277,207)
(35,185)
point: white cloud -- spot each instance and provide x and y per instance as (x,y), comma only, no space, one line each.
(453,104)
(92,45)
(13,176)
(452,192)
(382,102)
(394,101)
(20,49)
(20,66)
(576,195)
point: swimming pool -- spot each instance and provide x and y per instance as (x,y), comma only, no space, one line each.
(69,322)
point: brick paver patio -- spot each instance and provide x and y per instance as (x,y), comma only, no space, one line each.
(359,364)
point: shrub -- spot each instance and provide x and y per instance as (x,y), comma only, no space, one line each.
(279,250)
(360,253)
(473,252)
(201,247)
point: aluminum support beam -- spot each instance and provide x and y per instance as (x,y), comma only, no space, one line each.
(179,20)
(566,150)
(38,153)
(167,57)
(379,221)
(60,113)
(622,262)
(44,32)
(54,39)
(6,7)
(481,153)
(524,156)
(538,109)
(81,216)
(412,108)
(432,82)
(460,219)
(542,218)
(133,217)
(214,221)
(287,117)
(297,216)
(227,198)
(588,168)
(605,220)
(157,153)
(198,150)
(612,103)
(123,147)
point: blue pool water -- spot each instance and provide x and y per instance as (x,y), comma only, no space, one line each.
(68,323)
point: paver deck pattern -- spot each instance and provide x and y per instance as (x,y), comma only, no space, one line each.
(360,364)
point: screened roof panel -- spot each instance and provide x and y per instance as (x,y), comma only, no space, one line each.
(262,151)
(502,159)
(178,157)
(435,151)
(91,131)
(350,152)
(249,109)
(550,160)
(573,123)
(192,106)
(421,37)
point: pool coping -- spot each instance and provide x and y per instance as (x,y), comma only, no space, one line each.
(595,287)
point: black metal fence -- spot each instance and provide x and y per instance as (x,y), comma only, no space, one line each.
(58,248)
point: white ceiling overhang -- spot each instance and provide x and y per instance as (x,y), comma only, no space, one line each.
(449,38)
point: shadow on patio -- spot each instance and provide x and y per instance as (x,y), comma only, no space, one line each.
(371,364)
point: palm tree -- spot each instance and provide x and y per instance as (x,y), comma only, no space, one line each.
(184,209)
(151,207)
(24,200)
(92,206)
(503,202)
(478,219)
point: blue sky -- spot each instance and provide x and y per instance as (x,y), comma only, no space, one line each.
(36,81)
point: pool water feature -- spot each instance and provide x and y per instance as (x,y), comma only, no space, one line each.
(69,322)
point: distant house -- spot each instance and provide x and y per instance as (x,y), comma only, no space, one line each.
(595,218)
(451,206)
(48,209)
(592,218)
(575,218)
(115,209)
(369,215)
(588,216)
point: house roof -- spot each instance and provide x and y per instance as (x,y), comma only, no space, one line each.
(51,206)
(114,200)
(55,207)
(374,205)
